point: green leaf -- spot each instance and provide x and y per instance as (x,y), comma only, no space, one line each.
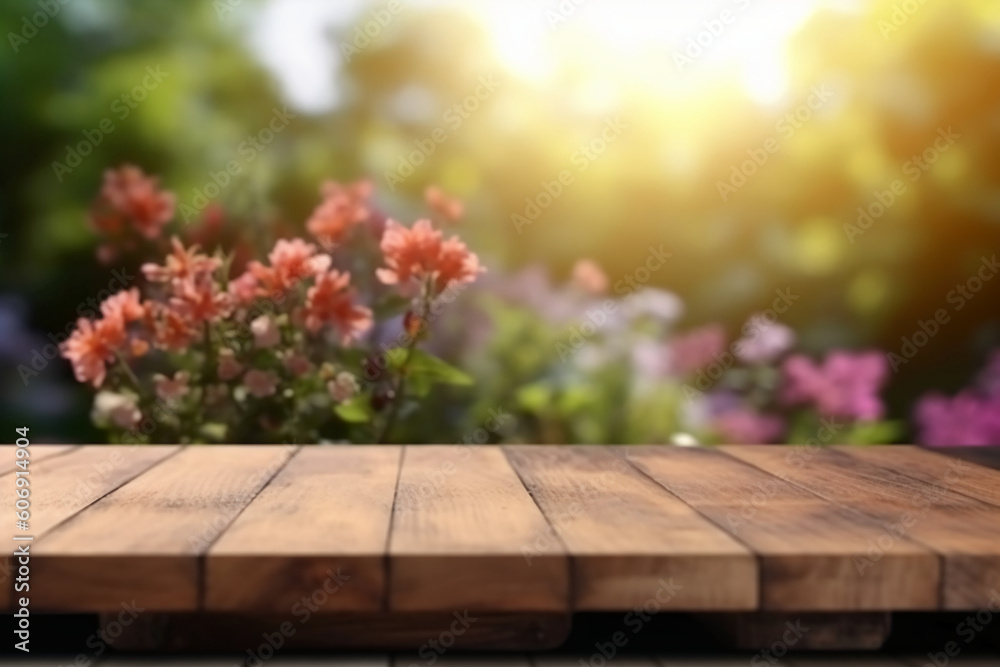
(358,410)
(875,433)
(535,398)
(424,367)
(213,431)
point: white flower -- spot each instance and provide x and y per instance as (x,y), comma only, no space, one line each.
(265,332)
(119,409)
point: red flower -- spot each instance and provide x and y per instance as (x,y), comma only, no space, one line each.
(331,301)
(421,253)
(124,305)
(446,208)
(200,301)
(342,208)
(291,262)
(128,194)
(170,329)
(92,346)
(181,265)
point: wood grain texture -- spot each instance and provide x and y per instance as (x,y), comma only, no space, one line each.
(8,459)
(317,532)
(631,542)
(969,479)
(64,483)
(462,525)
(961,529)
(808,547)
(142,542)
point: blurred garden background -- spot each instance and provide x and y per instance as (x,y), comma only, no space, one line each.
(818,179)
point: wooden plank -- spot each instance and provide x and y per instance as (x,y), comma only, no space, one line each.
(969,479)
(631,542)
(8,460)
(332,661)
(460,523)
(318,532)
(961,529)
(141,544)
(65,482)
(808,547)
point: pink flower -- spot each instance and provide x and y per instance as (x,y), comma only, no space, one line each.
(244,289)
(697,348)
(845,385)
(265,332)
(331,301)
(743,426)
(92,346)
(967,419)
(129,194)
(589,277)
(420,253)
(297,364)
(260,383)
(228,368)
(170,389)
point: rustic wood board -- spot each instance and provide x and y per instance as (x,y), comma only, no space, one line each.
(141,543)
(962,530)
(460,523)
(808,547)
(630,541)
(969,479)
(318,532)
(62,485)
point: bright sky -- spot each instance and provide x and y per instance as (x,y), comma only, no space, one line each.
(644,39)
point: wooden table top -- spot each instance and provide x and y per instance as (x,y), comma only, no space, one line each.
(519,528)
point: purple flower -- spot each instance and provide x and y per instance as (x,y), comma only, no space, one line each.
(966,419)
(845,385)
(743,426)
(763,341)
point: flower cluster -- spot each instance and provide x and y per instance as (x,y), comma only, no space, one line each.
(970,418)
(205,352)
